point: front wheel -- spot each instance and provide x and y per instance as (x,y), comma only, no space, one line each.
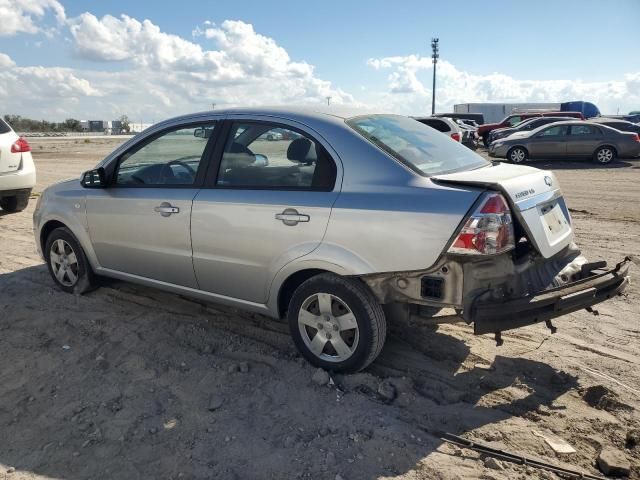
(336,323)
(67,262)
(517,155)
(604,155)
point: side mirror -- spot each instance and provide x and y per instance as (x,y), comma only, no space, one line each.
(261,160)
(94,178)
(199,133)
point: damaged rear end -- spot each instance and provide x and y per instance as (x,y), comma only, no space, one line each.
(511,263)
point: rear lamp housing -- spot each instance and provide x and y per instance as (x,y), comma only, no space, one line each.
(488,230)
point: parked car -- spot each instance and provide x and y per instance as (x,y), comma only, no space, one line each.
(568,139)
(444,125)
(478,118)
(524,126)
(273,136)
(621,125)
(470,137)
(17,170)
(361,218)
(515,118)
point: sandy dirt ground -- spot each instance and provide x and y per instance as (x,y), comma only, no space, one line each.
(130,383)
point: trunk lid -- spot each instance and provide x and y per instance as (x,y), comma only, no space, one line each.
(9,162)
(534,197)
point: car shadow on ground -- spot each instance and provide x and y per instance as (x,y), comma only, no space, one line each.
(129,382)
(579,164)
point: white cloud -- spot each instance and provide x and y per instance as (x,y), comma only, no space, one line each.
(153,74)
(407,93)
(18,16)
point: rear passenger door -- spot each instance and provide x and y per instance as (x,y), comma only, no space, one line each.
(266,203)
(550,142)
(583,140)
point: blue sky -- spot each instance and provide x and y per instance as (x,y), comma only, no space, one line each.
(592,46)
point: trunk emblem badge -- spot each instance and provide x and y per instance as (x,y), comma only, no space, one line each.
(548,181)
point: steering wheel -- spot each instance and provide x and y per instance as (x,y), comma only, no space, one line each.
(180,162)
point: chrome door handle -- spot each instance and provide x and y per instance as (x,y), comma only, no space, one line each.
(165,209)
(291,217)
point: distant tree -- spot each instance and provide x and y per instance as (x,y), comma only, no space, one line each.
(124,122)
(71,125)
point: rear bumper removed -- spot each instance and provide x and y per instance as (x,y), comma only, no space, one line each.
(494,317)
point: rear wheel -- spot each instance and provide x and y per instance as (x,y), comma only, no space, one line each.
(15,203)
(517,155)
(67,262)
(336,323)
(604,155)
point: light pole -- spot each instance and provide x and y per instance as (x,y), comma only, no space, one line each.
(328,101)
(434,59)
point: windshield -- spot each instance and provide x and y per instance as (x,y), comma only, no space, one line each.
(423,149)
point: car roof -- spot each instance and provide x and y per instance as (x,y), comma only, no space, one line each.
(339,111)
(609,119)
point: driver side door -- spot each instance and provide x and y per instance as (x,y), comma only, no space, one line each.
(140,223)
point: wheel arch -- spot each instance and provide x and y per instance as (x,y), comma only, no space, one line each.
(291,283)
(46,230)
(609,145)
(327,258)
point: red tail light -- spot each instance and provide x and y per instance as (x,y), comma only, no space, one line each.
(20,146)
(455,136)
(637,139)
(488,230)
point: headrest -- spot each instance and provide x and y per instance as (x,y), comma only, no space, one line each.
(302,150)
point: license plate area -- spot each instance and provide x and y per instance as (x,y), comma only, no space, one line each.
(553,219)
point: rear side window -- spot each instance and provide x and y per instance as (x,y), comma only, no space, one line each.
(4,128)
(437,124)
(270,156)
(583,130)
(420,148)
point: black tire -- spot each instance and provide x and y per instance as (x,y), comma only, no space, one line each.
(368,313)
(604,155)
(517,155)
(15,203)
(85,278)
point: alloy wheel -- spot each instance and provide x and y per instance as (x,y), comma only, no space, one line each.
(518,155)
(64,263)
(328,327)
(605,155)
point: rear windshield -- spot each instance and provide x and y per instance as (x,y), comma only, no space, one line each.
(4,128)
(423,149)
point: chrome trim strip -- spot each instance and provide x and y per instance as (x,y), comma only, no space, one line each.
(531,202)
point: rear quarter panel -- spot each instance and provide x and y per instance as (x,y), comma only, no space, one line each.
(397,228)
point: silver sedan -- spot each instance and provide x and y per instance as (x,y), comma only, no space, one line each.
(337,224)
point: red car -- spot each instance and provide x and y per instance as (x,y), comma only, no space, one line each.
(515,118)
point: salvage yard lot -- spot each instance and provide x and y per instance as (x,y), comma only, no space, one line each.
(129,382)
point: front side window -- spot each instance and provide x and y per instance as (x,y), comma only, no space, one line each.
(420,148)
(267,156)
(173,158)
(514,120)
(554,131)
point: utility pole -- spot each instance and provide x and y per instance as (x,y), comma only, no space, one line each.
(328,101)
(434,59)
(213,106)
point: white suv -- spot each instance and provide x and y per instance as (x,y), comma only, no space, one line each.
(17,170)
